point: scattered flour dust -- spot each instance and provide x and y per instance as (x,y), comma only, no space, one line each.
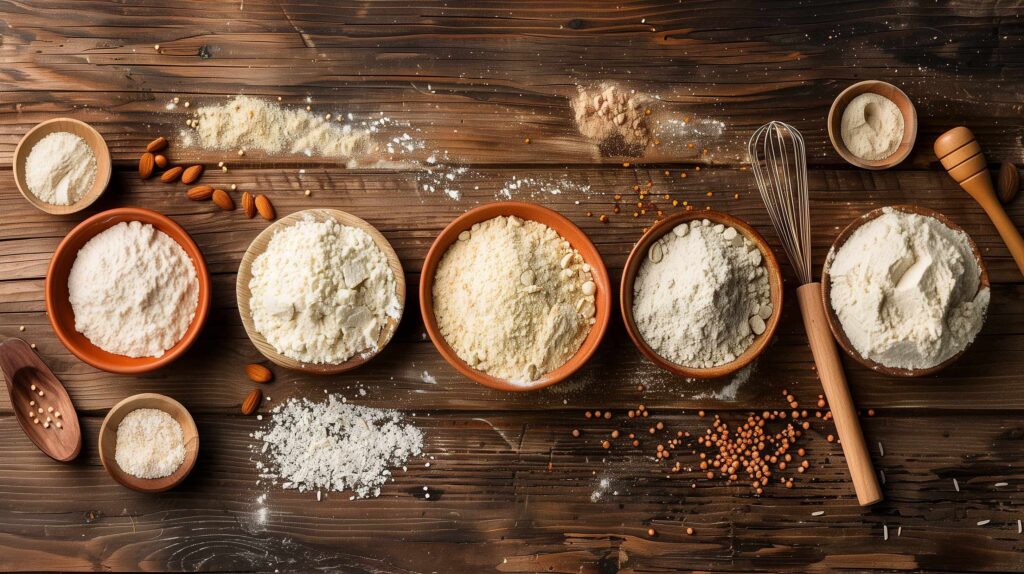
(333,446)
(613,117)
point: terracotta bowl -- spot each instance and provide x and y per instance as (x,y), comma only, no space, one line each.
(243,296)
(108,441)
(62,317)
(574,235)
(826,291)
(81,129)
(884,89)
(639,254)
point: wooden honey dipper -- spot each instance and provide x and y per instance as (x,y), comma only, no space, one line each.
(961,155)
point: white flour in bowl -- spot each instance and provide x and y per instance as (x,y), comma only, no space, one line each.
(134,290)
(150,444)
(60,169)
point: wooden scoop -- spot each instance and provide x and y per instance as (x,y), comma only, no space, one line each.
(961,155)
(22,369)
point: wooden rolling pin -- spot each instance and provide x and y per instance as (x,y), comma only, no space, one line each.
(961,155)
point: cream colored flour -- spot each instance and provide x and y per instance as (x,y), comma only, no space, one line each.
(513,299)
(60,169)
(872,127)
(150,444)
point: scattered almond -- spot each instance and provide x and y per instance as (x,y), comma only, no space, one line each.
(200,193)
(223,200)
(190,175)
(146,165)
(258,373)
(160,160)
(249,204)
(264,207)
(157,144)
(172,174)
(1009,182)
(252,402)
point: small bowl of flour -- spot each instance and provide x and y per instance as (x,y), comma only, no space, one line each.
(127,291)
(62,166)
(873,125)
(906,291)
(701,294)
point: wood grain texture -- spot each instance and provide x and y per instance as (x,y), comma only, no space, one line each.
(511,490)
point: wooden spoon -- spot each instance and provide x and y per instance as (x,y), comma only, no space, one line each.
(961,155)
(22,369)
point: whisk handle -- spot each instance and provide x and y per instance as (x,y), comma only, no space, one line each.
(830,371)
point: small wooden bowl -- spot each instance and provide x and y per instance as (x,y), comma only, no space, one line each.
(108,441)
(259,245)
(886,90)
(62,317)
(532,212)
(826,290)
(81,129)
(639,254)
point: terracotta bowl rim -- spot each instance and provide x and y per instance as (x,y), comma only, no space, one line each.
(639,253)
(835,117)
(833,318)
(532,212)
(63,325)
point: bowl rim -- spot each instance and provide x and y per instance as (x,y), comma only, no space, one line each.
(104,166)
(639,254)
(90,353)
(244,275)
(826,289)
(531,212)
(835,117)
(149,485)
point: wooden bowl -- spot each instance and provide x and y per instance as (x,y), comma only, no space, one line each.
(62,317)
(886,90)
(639,254)
(81,129)
(579,241)
(108,441)
(259,245)
(826,290)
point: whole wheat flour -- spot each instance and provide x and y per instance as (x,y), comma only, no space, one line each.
(513,298)
(133,290)
(614,117)
(906,289)
(701,295)
(322,292)
(334,446)
(150,444)
(60,169)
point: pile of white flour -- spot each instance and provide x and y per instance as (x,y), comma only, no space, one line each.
(513,299)
(701,295)
(322,292)
(150,444)
(906,289)
(133,290)
(335,446)
(60,168)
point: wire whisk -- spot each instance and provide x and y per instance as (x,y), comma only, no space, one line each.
(778,159)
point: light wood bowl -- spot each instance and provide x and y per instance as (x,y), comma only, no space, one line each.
(259,245)
(826,290)
(886,90)
(81,129)
(639,254)
(108,441)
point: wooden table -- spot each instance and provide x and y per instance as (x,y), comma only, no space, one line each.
(511,490)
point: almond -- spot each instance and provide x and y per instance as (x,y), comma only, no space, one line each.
(1009,182)
(263,206)
(146,165)
(248,204)
(190,175)
(157,144)
(160,160)
(223,200)
(258,373)
(252,402)
(172,174)
(200,193)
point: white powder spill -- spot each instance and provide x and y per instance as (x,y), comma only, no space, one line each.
(538,186)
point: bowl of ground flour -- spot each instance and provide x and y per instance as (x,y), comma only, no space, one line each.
(62,166)
(514,296)
(127,291)
(701,294)
(906,291)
